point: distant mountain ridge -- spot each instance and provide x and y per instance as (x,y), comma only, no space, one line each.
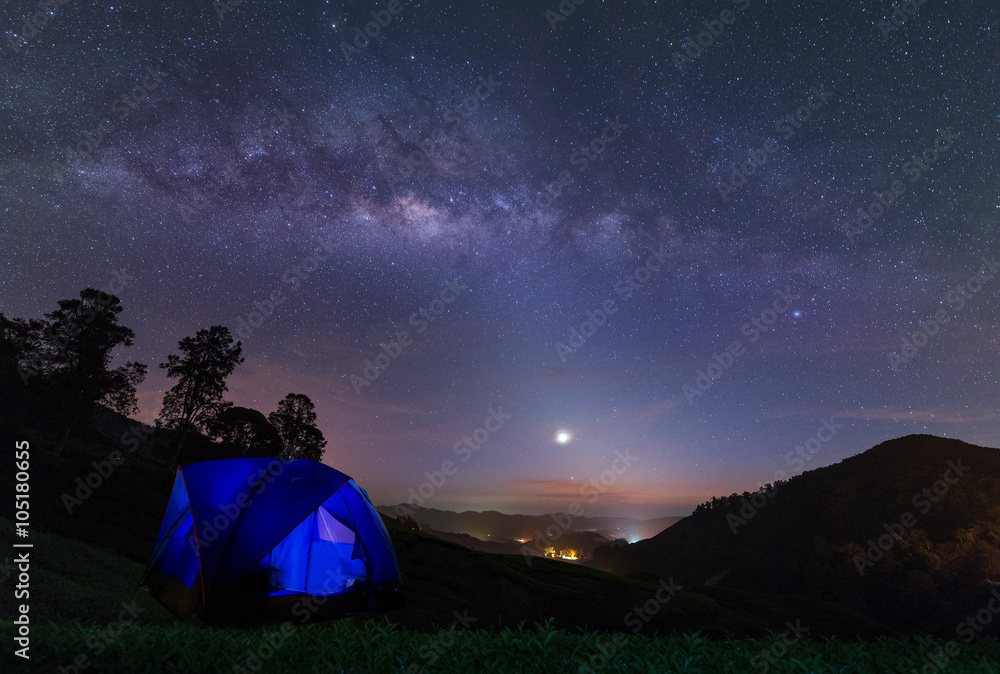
(493,525)
(907,533)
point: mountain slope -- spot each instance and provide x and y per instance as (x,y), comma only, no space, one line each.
(818,535)
(442,578)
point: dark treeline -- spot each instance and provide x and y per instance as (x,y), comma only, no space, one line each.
(56,375)
(733,502)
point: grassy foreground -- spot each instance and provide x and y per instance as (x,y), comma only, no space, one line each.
(87,616)
(375,647)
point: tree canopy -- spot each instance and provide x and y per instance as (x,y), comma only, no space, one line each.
(295,420)
(62,363)
(247,431)
(201,371)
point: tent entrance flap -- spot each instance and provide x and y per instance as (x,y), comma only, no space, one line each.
(317,557)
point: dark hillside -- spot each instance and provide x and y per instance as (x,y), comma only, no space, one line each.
(817,536)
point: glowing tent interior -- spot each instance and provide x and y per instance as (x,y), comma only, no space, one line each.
(261,539)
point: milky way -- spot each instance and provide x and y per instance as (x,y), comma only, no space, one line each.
(701,235)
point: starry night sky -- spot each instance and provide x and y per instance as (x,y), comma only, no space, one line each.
(426,157)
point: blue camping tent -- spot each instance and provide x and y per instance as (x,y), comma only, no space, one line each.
(259,539)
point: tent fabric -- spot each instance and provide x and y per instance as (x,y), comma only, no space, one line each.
(177,504)
(179,551)
(245,529)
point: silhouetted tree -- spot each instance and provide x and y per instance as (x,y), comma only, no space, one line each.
(735,501)
(208,359)
(76,345)
(20,363)
(296,422)
(121,398)
(247,430)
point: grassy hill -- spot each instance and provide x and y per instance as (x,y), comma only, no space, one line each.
(812,536)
